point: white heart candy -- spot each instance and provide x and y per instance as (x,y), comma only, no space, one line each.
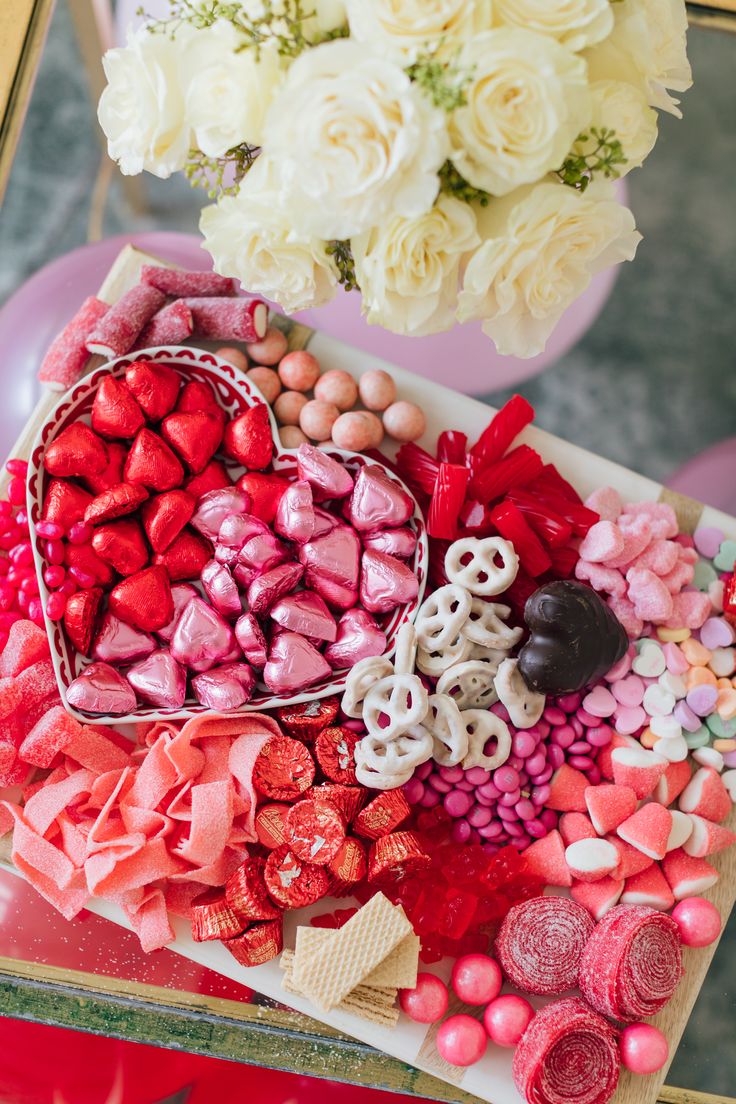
(728,778)
(665,728)
(722,662)
(674,684)
(650,662)
(658,702)
(673,749)
(709,757)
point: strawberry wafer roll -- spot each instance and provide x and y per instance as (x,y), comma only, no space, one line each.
(219,319)
(118,330)
(169,326)
(67,354)
(181,284)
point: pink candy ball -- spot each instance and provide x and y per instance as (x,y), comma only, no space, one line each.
(288,407)
(299,370)
(507,1018)
(699,921)
(476,978)
(270,349)
(404,421)
(266,380)
(317,418)
(357,430)
(427,1001)
(461,1040)
(338,387)
(644,1048)
(233,356)
(292,437)
(377,389)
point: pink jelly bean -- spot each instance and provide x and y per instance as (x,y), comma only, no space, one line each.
(506,779)
(523,745)
(525,809)
(54,551)
(599,736)
(580,747)
(570,703)
(540,795)
(555,756)
(580,762)
(508,800)
(554,716)
(536,829)
(536,763)
(49,529)
(457,803)
(564,736)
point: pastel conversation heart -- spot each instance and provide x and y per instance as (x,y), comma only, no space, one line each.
(726,558)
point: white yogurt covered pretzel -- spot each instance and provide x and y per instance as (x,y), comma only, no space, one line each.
(481,575)
(398,756)
(445,724)
(437,661)
(379,780)
(364,675)
(481,726)
(399,701)
(470,684)
(486,625)
(406,650)
(525,706)
(441,616)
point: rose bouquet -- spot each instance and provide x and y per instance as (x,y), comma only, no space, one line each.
(451,159)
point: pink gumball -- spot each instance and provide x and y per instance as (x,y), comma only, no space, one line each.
(292,437)
(377,389)
(404,421)
(317,418)
(288,407)
(507,1018)
(461,1040)
(427,1001)
(357,430)
(477,978)
(338,387)
(644,1048)
(266,380)
(699,921)
(270,349)
(299,370)
(233,356)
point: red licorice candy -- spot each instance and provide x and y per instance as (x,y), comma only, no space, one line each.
(447,501)
(510,523)
(729,598)
(501,432)
(551,527)
(541,943)
(515,470)
(417,468)
(452,447)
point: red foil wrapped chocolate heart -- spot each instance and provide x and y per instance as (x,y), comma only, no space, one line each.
(164,517)
(144,599)
(77,451)
(155,387)
(152,464)
(122,545)
(115,413)
(196,437)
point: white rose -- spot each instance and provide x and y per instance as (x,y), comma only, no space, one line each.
(251,238)
(141,110)
(404,29)
(575,23)
(355,141)
(407,269)
(647,47)
(228,90)
(527,102)
(623,108)
(541,246)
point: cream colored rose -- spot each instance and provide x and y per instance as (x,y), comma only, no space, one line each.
(354,140)
(228,90)
(527,102)
(323,15)
(647,47)
(407,269)
(623,108)
(251,238)
(575,23)
(540,248)
(404,28)
(141,110)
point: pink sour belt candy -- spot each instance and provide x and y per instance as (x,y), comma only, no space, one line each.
(377,502)
(67,354)
(228,319)
(170,326)
(118,329)
(215,506)
(202,638)
(224,688)
(101,689)
(385,582)
(293,665)
(327,478)
(159,680)
(305,613)
(358,636)
(118,642)
(179,283)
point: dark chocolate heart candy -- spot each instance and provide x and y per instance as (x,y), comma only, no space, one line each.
(574,638)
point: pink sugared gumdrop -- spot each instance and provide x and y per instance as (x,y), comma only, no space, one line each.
(699,921)
(506,1019)
(477,978)
(644,1048)
(427,1001)
(461,1040)
(607,502)
(602,542)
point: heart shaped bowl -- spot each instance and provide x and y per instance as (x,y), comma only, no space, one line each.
(235,393)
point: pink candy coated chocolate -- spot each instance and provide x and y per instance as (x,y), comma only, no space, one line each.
(249,636)
(335,556)
(202,638)
(159,680)
(295,513)
(293,664)
(181,593)
(327,478)
(305,613)
(225,688)
(358,636)
(101,689)
(120,643)
(385,582)
(394,542)
(221,589)
(377,502)
(272,585)
(215,506)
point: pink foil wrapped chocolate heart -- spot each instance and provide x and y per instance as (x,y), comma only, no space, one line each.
(263,552)
(202,638)
(159,680)
(324,522)
(221,589)
(335,556)
(118,642)
(293,664)
(272,585)
(377,502)
(335,594)
(251,640)
(237,529)
(295,513)
(215,506)
(101,689)
(306,613)
(180,594)
(358,636)
(394,542)
(224,688)
(327,478)
(385,582)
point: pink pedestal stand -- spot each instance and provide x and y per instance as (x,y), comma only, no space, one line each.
(709,477)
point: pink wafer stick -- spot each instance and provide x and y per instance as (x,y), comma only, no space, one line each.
(229,319)
(169,326)
(67,354)
(118,330)
(181,284)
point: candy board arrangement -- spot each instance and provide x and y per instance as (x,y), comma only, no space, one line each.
(378,772)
